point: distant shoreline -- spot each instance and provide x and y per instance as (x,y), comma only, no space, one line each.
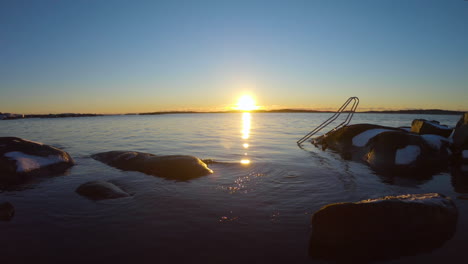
(420,111)
(8,116)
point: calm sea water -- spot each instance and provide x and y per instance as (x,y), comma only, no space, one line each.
(255,210)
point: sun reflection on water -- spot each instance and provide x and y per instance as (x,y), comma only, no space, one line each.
(245,132)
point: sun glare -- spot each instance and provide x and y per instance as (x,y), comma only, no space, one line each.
(246,103)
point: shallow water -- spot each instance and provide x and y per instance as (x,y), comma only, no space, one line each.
(257,210)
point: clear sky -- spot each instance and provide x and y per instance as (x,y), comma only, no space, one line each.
(117,56)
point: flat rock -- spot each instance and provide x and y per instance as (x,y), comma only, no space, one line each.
(21,158)
(7,211)
(383,228)
(175,167)
(101,190)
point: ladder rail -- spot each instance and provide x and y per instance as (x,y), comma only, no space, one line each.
(326,123)
(340,110)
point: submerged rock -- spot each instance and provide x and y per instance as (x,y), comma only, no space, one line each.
(101,190)
(383,228)
(175,167)
(422,127)
(20,159)
(7,211)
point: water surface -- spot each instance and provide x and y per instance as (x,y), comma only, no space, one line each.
(257,206)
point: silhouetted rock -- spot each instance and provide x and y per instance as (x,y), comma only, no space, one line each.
(175,167)
(20,159)
(383,228)
(101,190)
(459,178)
(460,139)
(7,211)
(422,127)
(463,120)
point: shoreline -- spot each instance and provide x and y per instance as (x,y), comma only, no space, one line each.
(9,116)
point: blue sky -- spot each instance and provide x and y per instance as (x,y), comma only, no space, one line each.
(140,56)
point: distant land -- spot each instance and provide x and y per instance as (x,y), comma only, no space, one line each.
(7,116)
(417,111)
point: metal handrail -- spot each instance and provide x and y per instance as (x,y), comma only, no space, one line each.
(351,112)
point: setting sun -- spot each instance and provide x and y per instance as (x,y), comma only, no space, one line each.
(246,103)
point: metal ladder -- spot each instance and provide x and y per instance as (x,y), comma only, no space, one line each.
(342,109)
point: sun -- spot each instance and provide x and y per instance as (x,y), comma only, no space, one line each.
(246,103)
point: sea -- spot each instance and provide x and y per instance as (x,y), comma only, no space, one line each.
(255,207)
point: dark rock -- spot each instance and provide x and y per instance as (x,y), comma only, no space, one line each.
(460,139)
(7,211)
(459,178)
(176,167)
(383,228)
(401,150)
(350,138)
(422,127)
(20,159)
(463,120)
(101,190)
(389,150)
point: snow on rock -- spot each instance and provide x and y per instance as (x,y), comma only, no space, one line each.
(361,139)
(431,199)
(407,155)
(438,125)
(465,154)
(26,163)
(435,141)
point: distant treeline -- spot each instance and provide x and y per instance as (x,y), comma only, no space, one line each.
(420,111)
(6,116)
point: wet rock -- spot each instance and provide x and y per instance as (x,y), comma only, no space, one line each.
(20,159)
(101,190)
(422,127)
(383,228)
(175,167)
(7,211)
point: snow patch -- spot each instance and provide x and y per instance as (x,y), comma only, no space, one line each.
(439,125)
(432,199)
(364,137)
(26,163)
(465,154)
(406,155)
(30,141)
(435,141)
